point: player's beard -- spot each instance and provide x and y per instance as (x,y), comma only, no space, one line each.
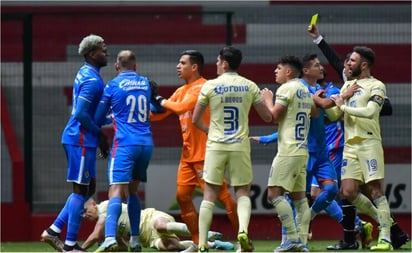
(356,72)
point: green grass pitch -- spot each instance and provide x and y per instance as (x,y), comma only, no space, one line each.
(260,246)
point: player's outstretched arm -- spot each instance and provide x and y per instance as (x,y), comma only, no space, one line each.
(265,139)
(96,236)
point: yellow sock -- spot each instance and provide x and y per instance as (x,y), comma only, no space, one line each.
(303,217)
(178,228)
(285,215)
(244,210)
(363,204)
(384,216)
(205,220)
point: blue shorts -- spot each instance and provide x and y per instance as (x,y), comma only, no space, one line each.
(335,156)
(129,163)
(320,167)
(81,164)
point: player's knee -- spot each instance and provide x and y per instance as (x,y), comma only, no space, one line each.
(183,199)
(346,193)
(332,190)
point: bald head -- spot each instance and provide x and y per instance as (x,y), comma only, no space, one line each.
(126,60)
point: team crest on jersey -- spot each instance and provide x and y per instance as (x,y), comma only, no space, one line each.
(343,169)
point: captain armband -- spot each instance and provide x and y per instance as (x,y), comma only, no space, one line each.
(377,99)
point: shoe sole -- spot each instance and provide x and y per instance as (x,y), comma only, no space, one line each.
(245,244)
(292,248)
(49,239)
(385,250)
(51,243)
(110,248)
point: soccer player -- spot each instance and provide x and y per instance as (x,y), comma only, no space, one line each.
(230,97)
(292,112)
(158,229)
(339,65)
(128,97)
(189,176)
(319,164)
(80,139)
(334,130)
(363,152)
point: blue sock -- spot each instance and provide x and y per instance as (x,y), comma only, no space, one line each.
(114,209)
(335,211)
(358,222)
(325,198)
(63,216)
(75,209)
(134,209)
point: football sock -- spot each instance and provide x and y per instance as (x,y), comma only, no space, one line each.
(188,211)
(114,209)
(302,219)
(61,219)
(348,221)
(335,211)
(358,223)
(325,197)
(285,215)
(395,227)
(178,228)
(191,221)
(364,205)
(205,220)
(244,210)
(186,243)
(134,210)
(384,217)
(75,207)
(287,197)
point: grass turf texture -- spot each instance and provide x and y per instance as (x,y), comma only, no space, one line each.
(260,246)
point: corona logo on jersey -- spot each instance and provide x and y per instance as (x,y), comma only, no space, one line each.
(222,89)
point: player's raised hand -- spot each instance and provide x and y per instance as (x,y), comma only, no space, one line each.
(350,90)
(313,31)
(255,138)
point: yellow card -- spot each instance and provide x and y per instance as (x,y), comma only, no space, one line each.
(314,19)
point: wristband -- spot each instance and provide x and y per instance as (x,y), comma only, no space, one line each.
(318,40)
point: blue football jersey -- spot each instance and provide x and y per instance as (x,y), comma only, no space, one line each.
(316,137)
(88,86)
(128,96)
(333,130)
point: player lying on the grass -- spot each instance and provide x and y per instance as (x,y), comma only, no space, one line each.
(158,229)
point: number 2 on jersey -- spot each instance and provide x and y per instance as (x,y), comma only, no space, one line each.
(301,126)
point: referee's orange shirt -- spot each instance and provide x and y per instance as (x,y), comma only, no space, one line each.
(182,102)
